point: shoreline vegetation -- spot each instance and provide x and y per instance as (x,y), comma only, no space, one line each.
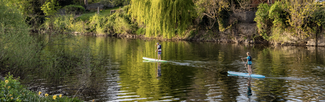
(289,22)
(294,23)
(13,91)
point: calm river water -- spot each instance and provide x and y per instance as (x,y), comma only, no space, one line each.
(195,71)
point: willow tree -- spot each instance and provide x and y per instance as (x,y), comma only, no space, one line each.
(163,17)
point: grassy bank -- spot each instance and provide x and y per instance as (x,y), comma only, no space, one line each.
(88,15)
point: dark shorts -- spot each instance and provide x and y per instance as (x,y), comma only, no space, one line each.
(159,53)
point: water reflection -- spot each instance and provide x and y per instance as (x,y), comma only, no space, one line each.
(249,89)
(195,71)
(158,69)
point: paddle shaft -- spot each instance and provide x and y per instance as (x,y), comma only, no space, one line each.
(245,64)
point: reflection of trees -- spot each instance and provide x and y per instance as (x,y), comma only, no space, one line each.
(141,77)
(287,63)
(80,70)
(269,89)
(96,76)
(211,79)
(213,85)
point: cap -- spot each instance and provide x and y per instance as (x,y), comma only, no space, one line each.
(157,43)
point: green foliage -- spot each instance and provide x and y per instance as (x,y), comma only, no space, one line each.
(86,16)
(74,9)
(140,31)
(318,16)
(93,1)
(50,7)
(262,19)
(27,7)
(162,17)
(277,35)
(122,24)
(293,16)
(31,10)
(300,12)
(277,14)
(118,22)
(96,24)
(17,47)
(65,23)
(115,2)
(12,91)
(215,10)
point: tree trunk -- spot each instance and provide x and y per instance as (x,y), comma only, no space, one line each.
(86,2)
(316,38)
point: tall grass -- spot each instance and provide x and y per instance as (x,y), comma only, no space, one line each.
(17,47)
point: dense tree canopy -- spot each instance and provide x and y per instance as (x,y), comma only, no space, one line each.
(212,9)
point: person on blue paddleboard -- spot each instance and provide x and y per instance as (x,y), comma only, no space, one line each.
(159,51)
(249,63)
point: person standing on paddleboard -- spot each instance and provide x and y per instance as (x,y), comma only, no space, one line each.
(249,63)
(159,50)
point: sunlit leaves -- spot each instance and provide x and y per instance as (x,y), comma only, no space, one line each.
(50,7)
(300,11)
(262,19)
(163,17)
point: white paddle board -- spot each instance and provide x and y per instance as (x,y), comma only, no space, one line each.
(152,59)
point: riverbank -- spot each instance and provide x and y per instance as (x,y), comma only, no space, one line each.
(257,26)
(241,29)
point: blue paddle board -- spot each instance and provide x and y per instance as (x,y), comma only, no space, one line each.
(245,74)
(153,60)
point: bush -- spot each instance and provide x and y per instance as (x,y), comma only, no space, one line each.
(140,31)
(262,20)
(18,50)
(11,90)
(50,7)
(65,23)
(122,23)
(74,9)
(118,22)
(278,14)
(318,16)
(96,24)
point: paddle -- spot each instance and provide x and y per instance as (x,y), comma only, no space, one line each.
(156,54)
(245,65)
